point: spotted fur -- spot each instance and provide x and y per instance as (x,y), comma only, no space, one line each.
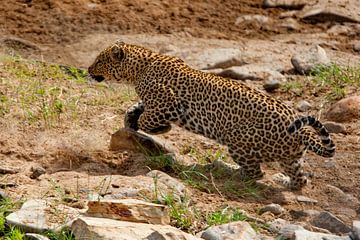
(254,126)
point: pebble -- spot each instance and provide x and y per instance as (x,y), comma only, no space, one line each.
(305,199)
(355,232)
(271,85)
(334,127)
(37,171)
(273,208)
(303,106)
(231,231)
(345,110)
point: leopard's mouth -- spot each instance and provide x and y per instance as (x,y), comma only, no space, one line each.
(98,78)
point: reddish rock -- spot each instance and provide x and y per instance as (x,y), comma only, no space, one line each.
(345,110)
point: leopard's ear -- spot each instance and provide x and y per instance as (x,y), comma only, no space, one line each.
(117,53)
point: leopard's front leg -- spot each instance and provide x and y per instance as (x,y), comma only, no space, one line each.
(133,114)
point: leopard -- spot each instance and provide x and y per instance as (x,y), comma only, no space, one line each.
(255,127)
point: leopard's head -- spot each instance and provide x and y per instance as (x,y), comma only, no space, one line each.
(120,62)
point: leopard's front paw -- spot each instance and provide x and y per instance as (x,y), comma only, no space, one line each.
(132,116)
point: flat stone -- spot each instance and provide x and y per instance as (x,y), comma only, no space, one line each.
(305,199)
(332,11)
(303,106)
(355,232)
(252,72)
(307,235)
(276,224)
(344,198)
(345,110)
(253,18)
(109,229)
(327,220)
(36,216)
(307,61)
(131,210)
(288,4)
(127,139)
(273,208)
(333,127)
(5,170)
(231,231)
(220,58)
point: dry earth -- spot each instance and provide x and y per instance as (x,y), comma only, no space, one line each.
(72,32)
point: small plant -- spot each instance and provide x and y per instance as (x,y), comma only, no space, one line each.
(335,80)
(225,216)
(243,189)
(64,234)
(8,233)
(14,234)
(180,213)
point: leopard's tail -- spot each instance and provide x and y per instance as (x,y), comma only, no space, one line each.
(324,146)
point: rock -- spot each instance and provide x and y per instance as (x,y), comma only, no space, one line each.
(328,221)
(277,224)
(333,127)
(252,72)
(344,198)
(220,58)
(127,139)
(288,4)
(355,232)
(131,210)
(289,24)
(271,85)
(231,231)
(109,229)
(305,234)
(34,236)
(273,208)
(19,44)
(37,171)
(303,106)
(172,183)
(332,11)
(304,199)
(288,231)
(307,61)
(256,18)
(345,110)
(37,215)
(5,170)
(356,46)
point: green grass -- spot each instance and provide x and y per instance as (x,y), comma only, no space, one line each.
(6,232)
(52,95)
(335,80)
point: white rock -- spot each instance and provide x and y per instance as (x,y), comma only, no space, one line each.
(256,18)
(357,46)
(35,215)
(307,235)
(288,231)
(289,4)
(305,199)
(131,210)
(355,232)
(34,236)
(109,229)
(273,208)
(231,231)
(305,62)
